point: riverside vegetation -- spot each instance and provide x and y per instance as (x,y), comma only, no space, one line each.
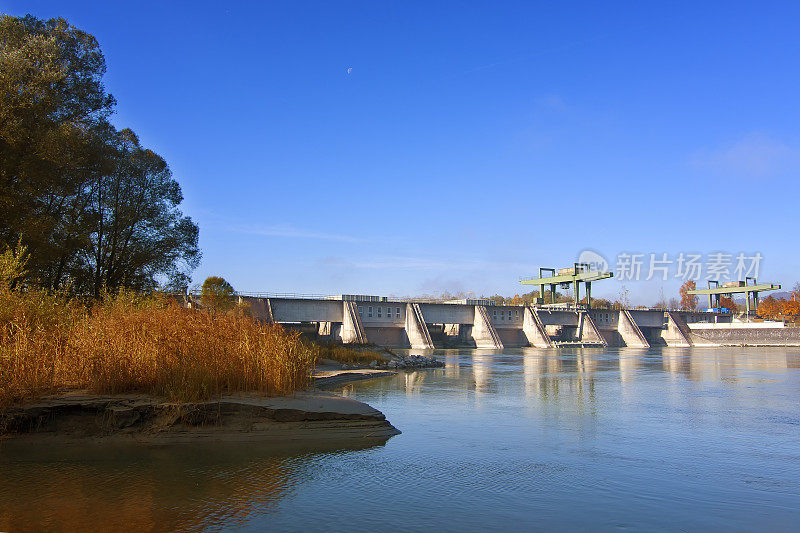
(150,344)
(131,342)
(134,342)
(91,231)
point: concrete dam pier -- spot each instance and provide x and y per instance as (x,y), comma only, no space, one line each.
(481,324)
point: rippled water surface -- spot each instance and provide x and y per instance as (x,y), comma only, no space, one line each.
(661,439)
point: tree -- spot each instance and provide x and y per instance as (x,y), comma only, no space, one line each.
(662,302)
(12,266)
(769,308)
(94,208)
(688,301)
(623,298)
(728,303)
(51,102)
(217,294)
(601,303)
(791,307)
(140,234)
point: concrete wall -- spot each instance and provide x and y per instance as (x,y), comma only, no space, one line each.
(289,310)
(605,318)
(589,332)
(448,313)
(512,337)
(506,315)
(259,308)
(416,328)
(648,319)
(631,334)
(676,333)
(758,336)
(609,318)
(382,314)
(353,331)
(534,330)
(558,318)
(387,323)
(391,337)
(612,337)
(483,331)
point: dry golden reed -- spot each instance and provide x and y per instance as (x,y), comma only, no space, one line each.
(345,354)
(131,343)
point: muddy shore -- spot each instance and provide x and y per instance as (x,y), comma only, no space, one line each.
(78,417)
(306,416)
(312,415)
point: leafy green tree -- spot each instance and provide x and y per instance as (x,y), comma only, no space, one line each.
(94,208)
(139,234)
(217,294)
(12,266)
(51,102)
(497,299)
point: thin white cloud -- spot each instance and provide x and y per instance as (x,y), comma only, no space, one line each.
(756,156)
(418,263)
(291,232)
(552,101)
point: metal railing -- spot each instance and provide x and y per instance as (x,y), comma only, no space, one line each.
(566,306)
(286,295)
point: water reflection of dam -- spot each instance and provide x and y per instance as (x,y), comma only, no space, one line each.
(558,380)
(554,372)
(700,364)
(481,371)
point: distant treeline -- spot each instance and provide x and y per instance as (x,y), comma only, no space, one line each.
(94,209)
(781,308)
(528,298)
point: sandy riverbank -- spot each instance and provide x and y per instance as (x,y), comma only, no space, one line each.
(330,375)
(305,416)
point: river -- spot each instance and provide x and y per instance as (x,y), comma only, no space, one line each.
(562,439)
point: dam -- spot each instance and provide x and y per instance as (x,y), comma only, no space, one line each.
(363,319)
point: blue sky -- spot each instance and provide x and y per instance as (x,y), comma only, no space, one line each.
(471,142)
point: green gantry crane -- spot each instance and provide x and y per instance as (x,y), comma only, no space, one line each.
(577,274)
(730,288)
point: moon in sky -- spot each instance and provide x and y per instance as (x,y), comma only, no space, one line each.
(349,70)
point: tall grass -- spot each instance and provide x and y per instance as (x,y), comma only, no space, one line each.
(146,344)
(347,354)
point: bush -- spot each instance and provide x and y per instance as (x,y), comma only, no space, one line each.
(217,294)
(346,354)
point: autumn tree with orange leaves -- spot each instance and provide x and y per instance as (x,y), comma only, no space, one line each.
(775,309)
(770,308)
(791,307)
(688,301)
(728,303)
